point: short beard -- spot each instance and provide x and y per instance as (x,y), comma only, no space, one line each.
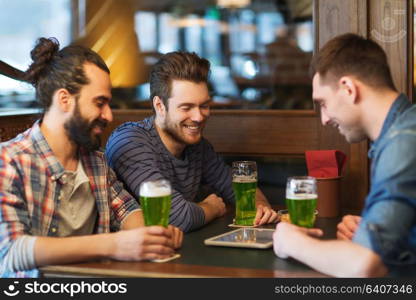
(170,130)
(173,134)
(79,131)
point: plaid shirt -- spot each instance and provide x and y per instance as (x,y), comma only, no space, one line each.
(30,187)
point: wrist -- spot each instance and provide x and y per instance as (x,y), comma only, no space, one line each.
(209,211)
(289,239)
(134,219)
(108,244)
(260,204)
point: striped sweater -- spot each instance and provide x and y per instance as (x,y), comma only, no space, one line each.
(136,153)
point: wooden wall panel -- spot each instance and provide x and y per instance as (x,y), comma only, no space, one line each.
(388,25)
(12,125)
(269,133)
(264,133)
(335,17)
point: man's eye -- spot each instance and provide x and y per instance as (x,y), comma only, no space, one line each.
(186,108)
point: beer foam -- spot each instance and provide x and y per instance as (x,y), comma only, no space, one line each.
(301,196)
(152,191)
(244,179)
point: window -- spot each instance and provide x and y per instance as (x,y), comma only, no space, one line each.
(22,22)
(146,22)
(259,53)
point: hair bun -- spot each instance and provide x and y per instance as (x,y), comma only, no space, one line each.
(42,54)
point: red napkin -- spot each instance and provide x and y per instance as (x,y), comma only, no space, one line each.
(325,163)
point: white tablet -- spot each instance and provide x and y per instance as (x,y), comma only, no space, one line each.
(244,238)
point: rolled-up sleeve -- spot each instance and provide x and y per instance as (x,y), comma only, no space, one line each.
(122,203)
(386,229)
(14,216)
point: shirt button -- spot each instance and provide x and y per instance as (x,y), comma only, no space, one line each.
(53,229)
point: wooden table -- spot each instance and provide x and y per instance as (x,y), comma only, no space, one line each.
(198,260)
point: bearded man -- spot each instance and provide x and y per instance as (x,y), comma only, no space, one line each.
(59,200)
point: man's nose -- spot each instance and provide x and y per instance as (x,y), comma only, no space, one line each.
(107,114)
(197,115)
(324,118)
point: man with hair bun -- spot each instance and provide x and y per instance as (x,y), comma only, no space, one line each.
(59,200)
(353,87)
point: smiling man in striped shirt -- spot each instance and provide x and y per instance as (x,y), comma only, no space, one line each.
(170,145)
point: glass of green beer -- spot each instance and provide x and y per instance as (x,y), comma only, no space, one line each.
(244,185)
(155,199)
(301,198)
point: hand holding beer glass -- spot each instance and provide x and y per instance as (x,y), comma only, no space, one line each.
(301,198)
(244,185)
(155,199)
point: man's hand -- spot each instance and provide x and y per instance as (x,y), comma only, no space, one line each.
(284,238)
(347,227)
(177,236)
(144,243)
(265,215)
(213,207)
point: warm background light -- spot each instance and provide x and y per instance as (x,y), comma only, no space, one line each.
(233,3)
(109,31)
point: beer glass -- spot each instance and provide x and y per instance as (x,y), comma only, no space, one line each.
(155,199)
(244,185)
(301,198)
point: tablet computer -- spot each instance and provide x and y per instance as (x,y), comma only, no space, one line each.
(244,238)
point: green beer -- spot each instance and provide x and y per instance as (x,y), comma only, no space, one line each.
(302,209)
(245,199)
(155,199)
(156,210)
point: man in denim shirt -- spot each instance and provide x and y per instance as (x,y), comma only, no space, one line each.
(353,86)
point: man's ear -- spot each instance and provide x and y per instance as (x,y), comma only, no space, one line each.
(349,87)
(159,106)
(64,100)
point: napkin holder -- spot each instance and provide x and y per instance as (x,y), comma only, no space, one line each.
(328,179)
(329,194)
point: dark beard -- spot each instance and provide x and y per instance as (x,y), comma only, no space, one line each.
(79,131)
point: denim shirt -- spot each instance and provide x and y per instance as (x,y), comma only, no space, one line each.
(388,225)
